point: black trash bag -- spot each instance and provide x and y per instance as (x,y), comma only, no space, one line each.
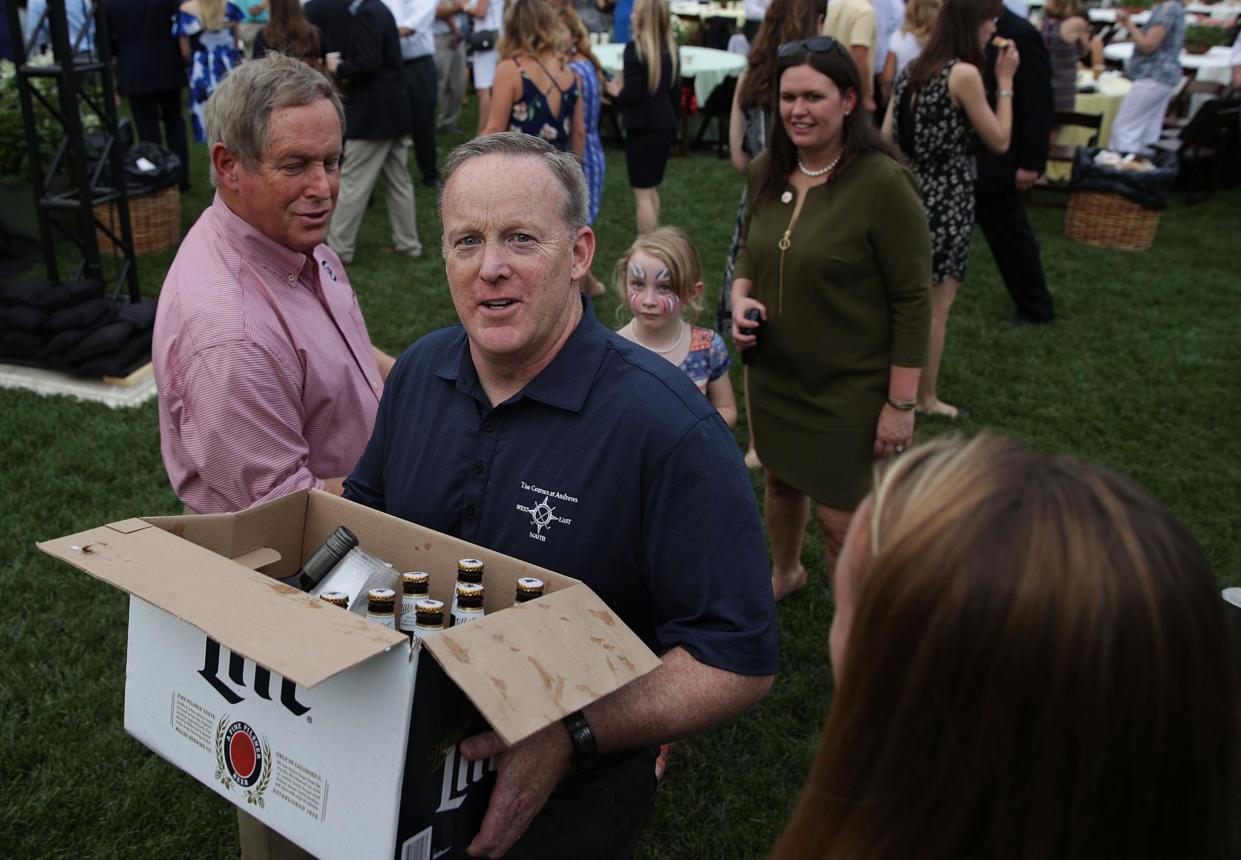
(22,318)
(140,313)
(1150,188)
(88,314)
(122,360)
(149,167)
(54,297)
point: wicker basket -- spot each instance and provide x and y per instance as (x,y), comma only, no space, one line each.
(154,218)
(1110,221)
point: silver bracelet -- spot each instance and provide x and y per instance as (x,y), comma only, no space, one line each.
(1004,94)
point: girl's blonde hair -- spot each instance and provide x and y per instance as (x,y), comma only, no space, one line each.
(652,36)
(671,246)
(530,27)
(211,13)
(920,18)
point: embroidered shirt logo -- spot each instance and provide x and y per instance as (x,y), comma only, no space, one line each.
(543,513)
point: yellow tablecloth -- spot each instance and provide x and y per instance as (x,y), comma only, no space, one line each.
(1105,101)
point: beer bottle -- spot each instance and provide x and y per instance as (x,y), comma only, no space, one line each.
(381,607)
(469,570)
(528,588)
(326,557)
(429,617)
(414,585)
(468,604)
(336,598)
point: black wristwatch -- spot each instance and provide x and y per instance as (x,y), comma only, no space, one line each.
(585,751)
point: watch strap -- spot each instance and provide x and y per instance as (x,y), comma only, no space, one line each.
(585,750)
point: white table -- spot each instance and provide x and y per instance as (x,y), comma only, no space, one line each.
(706,66)
(1218,12)
(1110,90)
(705,11)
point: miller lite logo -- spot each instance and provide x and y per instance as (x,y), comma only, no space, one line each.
(210,673)
(459,775)
(243,758)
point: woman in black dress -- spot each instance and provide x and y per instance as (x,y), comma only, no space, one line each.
(649,102)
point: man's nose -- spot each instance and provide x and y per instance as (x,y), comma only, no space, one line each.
(494,263)
(318,180)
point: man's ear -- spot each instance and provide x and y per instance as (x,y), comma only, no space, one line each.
(583,252)
(227,167)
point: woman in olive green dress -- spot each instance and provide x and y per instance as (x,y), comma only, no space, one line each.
(836,258)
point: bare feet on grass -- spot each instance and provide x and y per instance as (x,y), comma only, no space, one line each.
(942,409)
(784,584)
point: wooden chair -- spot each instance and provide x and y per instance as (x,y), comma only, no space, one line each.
(1065,153)
(1182,104)
(1212,136)
(717,108)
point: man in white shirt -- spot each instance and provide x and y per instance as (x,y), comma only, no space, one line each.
(449,29)
(414,19)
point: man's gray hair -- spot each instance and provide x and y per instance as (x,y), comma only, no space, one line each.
(238,111)
(564,166)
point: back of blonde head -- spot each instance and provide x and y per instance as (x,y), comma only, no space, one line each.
(652,36)
(531,27)
(1038,666)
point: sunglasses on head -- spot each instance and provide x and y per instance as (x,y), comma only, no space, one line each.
(813,45)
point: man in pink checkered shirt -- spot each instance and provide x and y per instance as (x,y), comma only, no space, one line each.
(268,382)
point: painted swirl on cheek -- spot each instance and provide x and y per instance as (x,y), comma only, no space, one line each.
(635,298)
(670,303)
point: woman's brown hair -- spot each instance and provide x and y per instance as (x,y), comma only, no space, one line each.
(954,37)
(785,21)
(581,40)
(1039,665)
(859,134)
(531,27)
(288,32)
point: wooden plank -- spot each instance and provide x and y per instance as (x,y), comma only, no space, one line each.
(138,377)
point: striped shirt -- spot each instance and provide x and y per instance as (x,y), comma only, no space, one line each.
(267,379)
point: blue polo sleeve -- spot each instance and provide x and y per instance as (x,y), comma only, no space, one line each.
(704,548)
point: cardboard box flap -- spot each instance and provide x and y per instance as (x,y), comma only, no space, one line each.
(278,627)
(533,664)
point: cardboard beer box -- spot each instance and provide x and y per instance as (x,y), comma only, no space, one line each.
(329,728)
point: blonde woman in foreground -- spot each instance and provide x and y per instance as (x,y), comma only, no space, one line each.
(1031,660)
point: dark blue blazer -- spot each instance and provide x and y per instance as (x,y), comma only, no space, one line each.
(147,57)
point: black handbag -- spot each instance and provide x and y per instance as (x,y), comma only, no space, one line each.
(483,40)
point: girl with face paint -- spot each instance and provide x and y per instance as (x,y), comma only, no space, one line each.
(660,281)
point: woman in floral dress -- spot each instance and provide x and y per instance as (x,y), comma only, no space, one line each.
(535,91)
(210,37)
(938,104)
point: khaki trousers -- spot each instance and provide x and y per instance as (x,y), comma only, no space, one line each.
(366,161)
(260,842)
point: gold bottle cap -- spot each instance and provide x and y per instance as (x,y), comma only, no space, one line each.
(469,570)
(381,600)
(415,582)
(469,589)
(429,612)
(336,598)
(530,583)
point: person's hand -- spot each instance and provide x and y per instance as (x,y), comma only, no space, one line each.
(895,432)
(743,329)
(256,8)
(869,105)
(614,87)
(1025,179)
(1006,62)
(1122,18)
(333,62)
(526,774)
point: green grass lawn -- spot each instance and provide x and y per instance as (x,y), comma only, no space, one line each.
(1138,373)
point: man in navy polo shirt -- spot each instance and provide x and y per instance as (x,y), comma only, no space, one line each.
(535,431)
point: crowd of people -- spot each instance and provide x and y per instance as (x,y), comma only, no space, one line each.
(1030,654)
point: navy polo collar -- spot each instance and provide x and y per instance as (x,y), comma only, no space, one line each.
(564,383)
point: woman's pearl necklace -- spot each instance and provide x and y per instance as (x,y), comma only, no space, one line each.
(814,174)
(667,349)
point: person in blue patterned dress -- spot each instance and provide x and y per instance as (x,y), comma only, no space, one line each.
(660,280)
(1155,69)
(590,83)
(210,37)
